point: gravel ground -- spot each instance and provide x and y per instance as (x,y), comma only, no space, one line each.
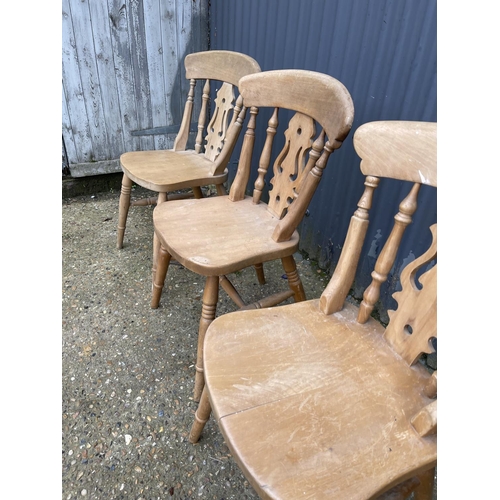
(128,370)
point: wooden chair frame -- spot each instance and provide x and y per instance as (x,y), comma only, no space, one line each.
(299,385)
(166,171)
(251,232)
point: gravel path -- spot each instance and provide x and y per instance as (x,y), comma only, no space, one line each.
(128,370)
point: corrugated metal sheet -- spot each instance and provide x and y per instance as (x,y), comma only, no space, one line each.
(123,71)
(384,52)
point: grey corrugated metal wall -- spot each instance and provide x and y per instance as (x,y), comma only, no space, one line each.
(384,52)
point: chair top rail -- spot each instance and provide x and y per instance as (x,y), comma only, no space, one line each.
(330,105)
(222,65)
(403,150)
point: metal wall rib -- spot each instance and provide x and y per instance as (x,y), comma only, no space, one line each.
(384,52)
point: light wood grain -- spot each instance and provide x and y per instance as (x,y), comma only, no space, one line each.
(217,236)
(330,104)
(302,415)
(170,170)
(318,401)
(384,152)
(222,65)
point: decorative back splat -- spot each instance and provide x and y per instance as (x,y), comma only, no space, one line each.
(289,165)
(217,128)
(413,324)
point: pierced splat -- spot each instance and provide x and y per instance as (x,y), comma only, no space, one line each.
(217,128)
(289,166)
(413,324)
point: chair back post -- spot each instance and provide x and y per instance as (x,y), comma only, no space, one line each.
(388,254)
(203,116)
(333,297)
(265,157)
(401,150)
(238,187)
(227,67)
(182,136)
(329,105)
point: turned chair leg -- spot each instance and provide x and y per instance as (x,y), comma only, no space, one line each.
(294,281)
(221,190)
(201,417)
(162,198)
(426,489)
(259,269)
(210,297)
(123,207)
(163,259)
(197,192)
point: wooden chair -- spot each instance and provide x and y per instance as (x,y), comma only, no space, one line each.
(220,235)
(317,399)
(164,171)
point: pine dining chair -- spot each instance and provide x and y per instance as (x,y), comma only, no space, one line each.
(216,236)
(166,171)
(318,399)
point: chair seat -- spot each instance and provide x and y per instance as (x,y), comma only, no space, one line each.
(215,236)
(168,170)
(303,417)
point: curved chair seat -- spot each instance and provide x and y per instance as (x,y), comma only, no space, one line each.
(168,170)
(301,415)
(214,236)
(320,400)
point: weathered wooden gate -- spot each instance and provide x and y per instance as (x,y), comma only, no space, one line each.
(123,73)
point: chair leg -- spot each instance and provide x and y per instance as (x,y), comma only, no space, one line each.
(123,207)
(197,192)
(161,271)
(294,281)
(228,287)
(221,190)
(162,198)
(210,297)
(259,269)
(201,417)
(426,489)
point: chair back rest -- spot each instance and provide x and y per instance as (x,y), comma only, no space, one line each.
(317,100)
(217,138)
(406,151)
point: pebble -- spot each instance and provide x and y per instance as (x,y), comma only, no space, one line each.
(126,350)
